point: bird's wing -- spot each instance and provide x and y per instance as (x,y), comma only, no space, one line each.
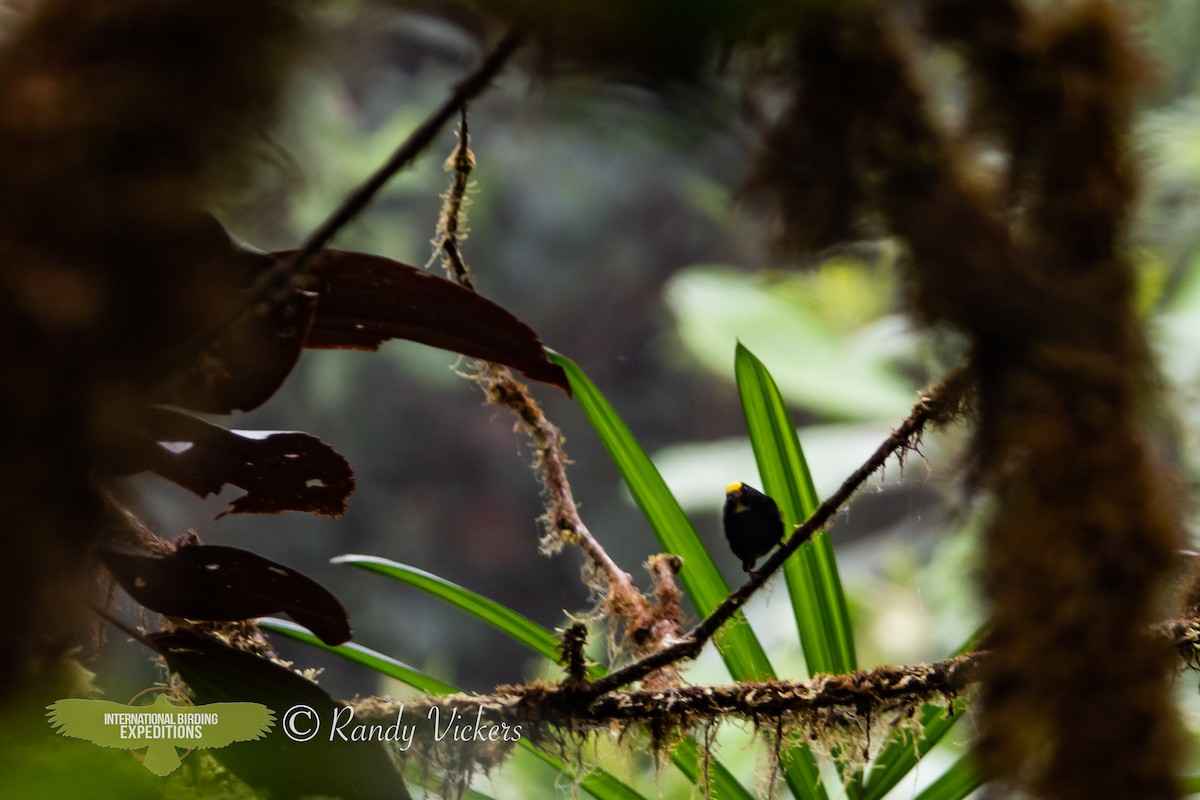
(84,719)
(236,722)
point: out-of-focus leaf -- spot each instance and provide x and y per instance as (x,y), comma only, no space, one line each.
(367,299)
(962,778)
(352,300)
(276,765)
(280,470)
(244,368)
(846,375)
(216,583)
(245,364)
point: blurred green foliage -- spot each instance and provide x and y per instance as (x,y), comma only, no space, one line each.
(835,353)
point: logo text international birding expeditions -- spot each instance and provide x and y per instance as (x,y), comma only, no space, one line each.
(162,726)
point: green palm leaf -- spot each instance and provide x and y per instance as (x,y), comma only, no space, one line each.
(700,577)
(814,586)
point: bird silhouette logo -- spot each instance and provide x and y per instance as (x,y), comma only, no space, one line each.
(162,727)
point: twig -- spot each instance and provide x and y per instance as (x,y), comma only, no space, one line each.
(664,570)
(665,625)
(276,282)
(451,227)
(136,635)
(119,525)
(571,656)
(863,691)
(621,596)
(464,91)
(938,404)
(860,691)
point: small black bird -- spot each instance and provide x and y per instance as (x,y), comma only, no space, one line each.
(753,525)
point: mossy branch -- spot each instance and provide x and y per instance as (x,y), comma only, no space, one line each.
(622,601)
(863,694)
(538,705)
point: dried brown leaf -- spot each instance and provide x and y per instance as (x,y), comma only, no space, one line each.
(367,299)
(221,584)
(246,363)
(280,470)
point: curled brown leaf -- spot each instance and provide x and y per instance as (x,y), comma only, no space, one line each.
(280,470)
(221,584)
(366,300)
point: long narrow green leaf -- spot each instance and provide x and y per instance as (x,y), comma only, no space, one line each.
(737,644)
(598,783)
(686,755)
(504,619)
(1190,786)
(378,662)
(901,753)
(814,585)
(962,778)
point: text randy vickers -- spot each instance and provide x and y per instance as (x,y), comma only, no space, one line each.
(302,723)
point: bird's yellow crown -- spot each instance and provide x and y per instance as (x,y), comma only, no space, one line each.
(733,488)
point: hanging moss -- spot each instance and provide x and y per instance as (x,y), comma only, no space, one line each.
(1030,264)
